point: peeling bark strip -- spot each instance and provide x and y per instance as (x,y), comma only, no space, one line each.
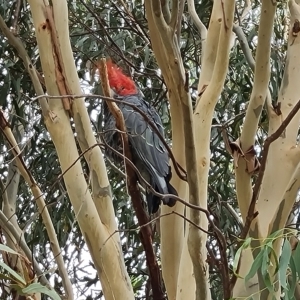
(61,79)
(3,122)
(296,28)
(252,162)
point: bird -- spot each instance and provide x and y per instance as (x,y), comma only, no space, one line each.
(149,154)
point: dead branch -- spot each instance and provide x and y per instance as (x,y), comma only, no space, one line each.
(145,232)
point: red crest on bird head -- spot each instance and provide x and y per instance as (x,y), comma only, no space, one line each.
(122,84)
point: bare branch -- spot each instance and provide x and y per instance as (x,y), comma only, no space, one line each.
(16,16)
(18,45)
(145,233)
(261,75)
(244,45)
(9,227)
(54,244)
(257,100)
(265,152)
(165,7)
(179,19)
(174,15)
(198,23)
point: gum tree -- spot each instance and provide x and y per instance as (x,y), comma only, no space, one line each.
(223,75)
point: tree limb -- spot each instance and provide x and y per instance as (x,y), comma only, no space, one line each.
(198,23)
(38,195)
(244,45)
(257,99)
(21,51)
(145,232)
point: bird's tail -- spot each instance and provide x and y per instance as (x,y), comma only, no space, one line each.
(171,190)
(154,201)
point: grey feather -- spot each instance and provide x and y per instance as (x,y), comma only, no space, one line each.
(148,152)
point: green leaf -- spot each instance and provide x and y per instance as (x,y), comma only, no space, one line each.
(147,55)
(293,279)
(270,239)
(296,256)
(267,281)
(238,253)
(39,288)
(255,266)
(265,261)
(284,263)
(8,249)
(13,273)
(17,288)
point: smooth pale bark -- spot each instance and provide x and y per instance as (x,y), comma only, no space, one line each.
(279,189)
(200,26)
(186,280)
(167,53)
(257,99)
(211,47)
(101,192)
(245,289)
(9,198)
(166,48)
(277,194)
(215,73)
(57,60)
(38,195)
(171,227)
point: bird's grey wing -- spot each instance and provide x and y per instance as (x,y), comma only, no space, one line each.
(143,139)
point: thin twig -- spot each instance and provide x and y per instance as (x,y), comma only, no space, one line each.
(153,221)
(244,45)
(16,16)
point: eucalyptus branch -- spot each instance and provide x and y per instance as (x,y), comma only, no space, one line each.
(16,15)
(251,215)
(198,23)
(179,19)
(257,100)
(10,228)
(165,8)
(261,74)
(174,15)
(244,45)
(18,45)
(37,193)
(273,137)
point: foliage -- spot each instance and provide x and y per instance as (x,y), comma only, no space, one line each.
(118,29)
